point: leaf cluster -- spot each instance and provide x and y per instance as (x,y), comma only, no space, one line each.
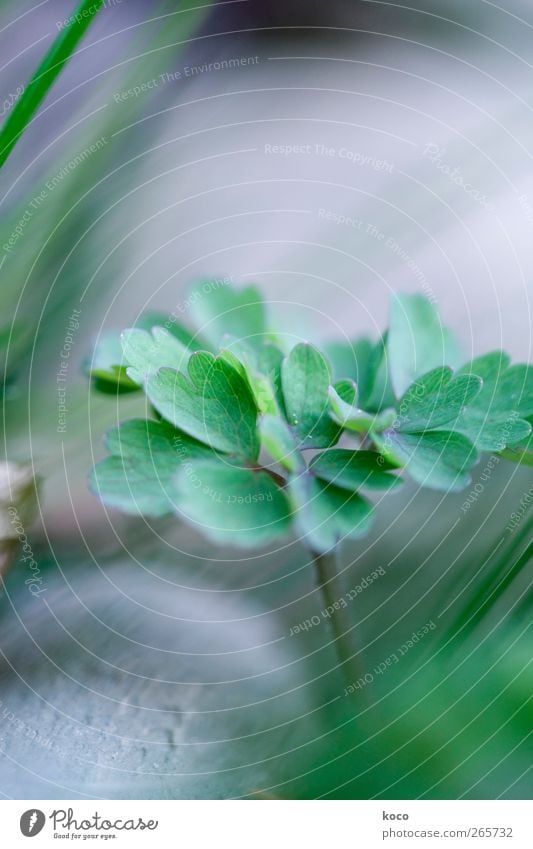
(249,439)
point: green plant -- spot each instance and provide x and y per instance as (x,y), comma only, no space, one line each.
(242,442)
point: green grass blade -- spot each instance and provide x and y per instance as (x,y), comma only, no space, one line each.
(518,454)
(42,81)
(497,578)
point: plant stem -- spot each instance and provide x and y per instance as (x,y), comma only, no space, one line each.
(327,577)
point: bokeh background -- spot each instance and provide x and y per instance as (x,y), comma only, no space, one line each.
(334,154)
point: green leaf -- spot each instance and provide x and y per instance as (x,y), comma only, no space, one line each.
(496,417)
(233,505)
(354,419)
(492,433)
(377,394)
(217,308)
(279,441)
(435,459)
(305,379)
(354,469)
(489,367)
(255,368)
(435,399)
(138,476)
(107,368)
(145,352)
(214,404)
(326,514)
(346,390)
(230,358)
(269,363)
(264,394)
(352,361)
(519,455)
(192,341)
(505,387)
(417,341)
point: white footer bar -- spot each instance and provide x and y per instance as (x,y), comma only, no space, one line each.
(271,825)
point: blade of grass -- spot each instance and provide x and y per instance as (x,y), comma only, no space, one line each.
(492,585)
(57,226)
(145,59)
(518,454)
(46,74)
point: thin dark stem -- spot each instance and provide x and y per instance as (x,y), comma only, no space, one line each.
(342,631)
